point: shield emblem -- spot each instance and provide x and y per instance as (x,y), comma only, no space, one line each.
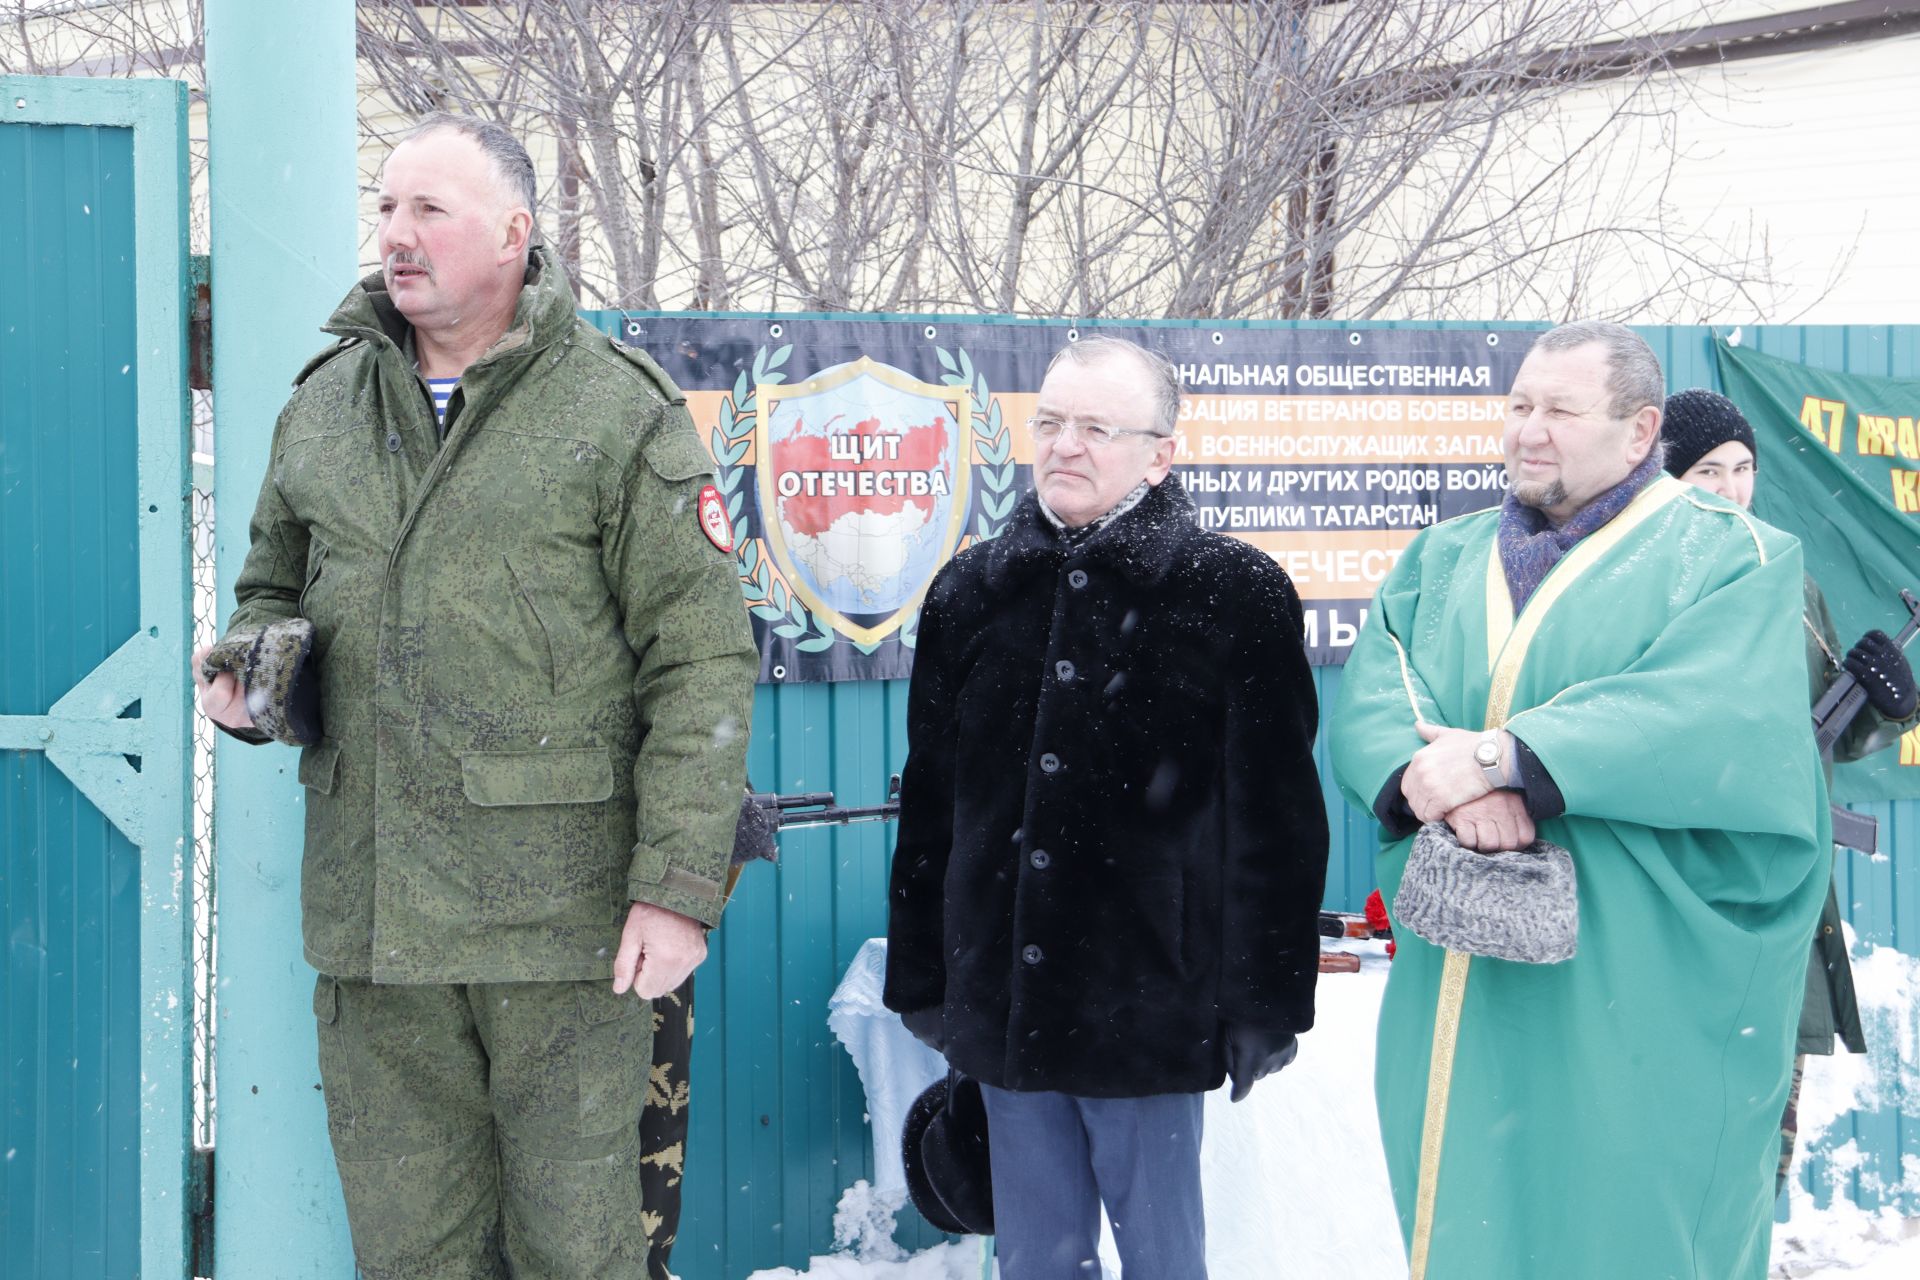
(864,487)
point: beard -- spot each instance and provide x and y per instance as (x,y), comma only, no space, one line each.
(1540,494)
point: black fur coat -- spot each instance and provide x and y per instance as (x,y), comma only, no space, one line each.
(1112,834)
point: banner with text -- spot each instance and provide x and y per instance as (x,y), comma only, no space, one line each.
(1839,468)
(855,456)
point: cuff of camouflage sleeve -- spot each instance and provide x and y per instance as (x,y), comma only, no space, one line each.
(252,737)
(693,906)
(653,880)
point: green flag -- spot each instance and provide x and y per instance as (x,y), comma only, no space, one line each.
(1839,468)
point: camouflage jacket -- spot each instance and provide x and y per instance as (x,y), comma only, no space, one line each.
(1831,1007)
(536,671)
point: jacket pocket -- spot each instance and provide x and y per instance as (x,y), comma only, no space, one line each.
(316,563)
(675,452)
(581,775)
(320,766)
(556,629)
(613,1057)
(326,1000)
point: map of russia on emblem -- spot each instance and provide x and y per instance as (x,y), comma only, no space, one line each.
(864,482)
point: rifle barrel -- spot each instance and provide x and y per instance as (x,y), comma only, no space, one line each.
(840,817)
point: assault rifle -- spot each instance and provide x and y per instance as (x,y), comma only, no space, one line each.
(802,809)
(763,814)
(1831,716)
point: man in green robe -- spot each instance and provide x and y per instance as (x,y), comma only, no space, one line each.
(1610,660)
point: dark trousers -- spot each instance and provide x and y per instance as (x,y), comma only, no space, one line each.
(1056,1158)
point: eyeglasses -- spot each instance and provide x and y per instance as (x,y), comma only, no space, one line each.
(1090,434)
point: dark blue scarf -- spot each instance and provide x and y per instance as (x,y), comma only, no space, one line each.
(1529,544)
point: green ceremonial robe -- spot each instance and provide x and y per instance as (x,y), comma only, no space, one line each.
(1615,1116)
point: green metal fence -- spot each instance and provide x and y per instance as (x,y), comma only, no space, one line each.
(94,988)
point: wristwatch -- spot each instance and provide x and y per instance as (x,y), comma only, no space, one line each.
(1486,754)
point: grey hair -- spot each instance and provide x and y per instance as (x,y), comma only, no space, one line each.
(1634,377)
(1166,379)
(512,166)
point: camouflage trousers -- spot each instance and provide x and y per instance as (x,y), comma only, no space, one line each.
(1790,1125)
(487,1130)
(663,1126)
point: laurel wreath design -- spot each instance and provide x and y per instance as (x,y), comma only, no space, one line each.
(994,440)
(769,596)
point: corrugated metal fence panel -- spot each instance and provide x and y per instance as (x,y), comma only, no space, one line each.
(767,1167)
(69,576)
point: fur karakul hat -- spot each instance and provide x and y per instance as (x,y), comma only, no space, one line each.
(944,1146)
(1520,906)
(274,667)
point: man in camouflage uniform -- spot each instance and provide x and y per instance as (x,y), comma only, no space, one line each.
(535,679)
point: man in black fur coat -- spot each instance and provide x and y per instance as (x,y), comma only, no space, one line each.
(1112,835)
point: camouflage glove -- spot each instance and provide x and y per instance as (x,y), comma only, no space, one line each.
(283,692)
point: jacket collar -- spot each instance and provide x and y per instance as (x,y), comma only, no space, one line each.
(543,315)
(1140,543)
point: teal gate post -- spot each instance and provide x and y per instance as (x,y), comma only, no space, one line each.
(282,191)
(95,988)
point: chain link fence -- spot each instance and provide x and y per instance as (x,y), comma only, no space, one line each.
(205,898)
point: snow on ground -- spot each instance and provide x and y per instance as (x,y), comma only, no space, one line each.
(1842,1239)
(942,1262)
(1296,1187)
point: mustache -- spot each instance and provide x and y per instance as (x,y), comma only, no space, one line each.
(408,258)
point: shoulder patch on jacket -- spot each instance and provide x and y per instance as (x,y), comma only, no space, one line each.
(312,366)
(651,368)
(675,453)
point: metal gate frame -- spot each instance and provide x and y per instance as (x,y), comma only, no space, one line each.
(151,806)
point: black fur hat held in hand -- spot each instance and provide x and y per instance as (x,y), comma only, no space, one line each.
(274,667)
(1520,906)
(944,1146)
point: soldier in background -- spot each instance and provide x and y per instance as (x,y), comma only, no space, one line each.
(535,675)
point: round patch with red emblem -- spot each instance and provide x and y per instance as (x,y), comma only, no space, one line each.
(713,519)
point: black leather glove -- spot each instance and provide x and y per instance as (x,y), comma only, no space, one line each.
(1253,1053)
(928,1026)
(1883,671)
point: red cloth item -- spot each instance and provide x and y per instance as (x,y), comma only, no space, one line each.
(1377,920)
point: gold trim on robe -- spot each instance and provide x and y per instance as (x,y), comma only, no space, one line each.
(1507,642)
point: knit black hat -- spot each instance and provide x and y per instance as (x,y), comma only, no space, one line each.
(944,1146)
(1698,421)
